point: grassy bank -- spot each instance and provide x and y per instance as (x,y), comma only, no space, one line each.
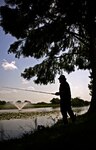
(20,114)
(81,134)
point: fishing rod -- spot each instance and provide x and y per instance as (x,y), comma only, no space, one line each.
(28,90)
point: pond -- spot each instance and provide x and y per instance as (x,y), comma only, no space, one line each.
(30,120)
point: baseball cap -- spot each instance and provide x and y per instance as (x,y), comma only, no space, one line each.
(62,77)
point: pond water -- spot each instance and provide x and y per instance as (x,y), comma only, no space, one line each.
(15,128)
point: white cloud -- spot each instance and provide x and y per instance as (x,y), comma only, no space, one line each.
(9,66)
(24,81)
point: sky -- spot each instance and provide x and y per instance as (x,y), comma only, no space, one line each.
(10,76)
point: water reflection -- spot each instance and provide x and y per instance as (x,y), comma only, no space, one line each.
(15,128)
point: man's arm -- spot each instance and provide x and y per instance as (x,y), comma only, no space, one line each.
(57,93)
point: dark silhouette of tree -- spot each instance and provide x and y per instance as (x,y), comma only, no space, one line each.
(2,102)
(91,83)
(78,102)
(61,32)
(55,101)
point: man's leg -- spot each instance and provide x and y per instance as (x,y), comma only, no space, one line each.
(64,115)
(65,120)
(72,115)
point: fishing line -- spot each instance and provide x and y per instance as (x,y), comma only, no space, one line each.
(28,90)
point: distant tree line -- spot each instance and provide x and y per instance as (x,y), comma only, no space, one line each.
(76,102)
(2,102)
(79,102)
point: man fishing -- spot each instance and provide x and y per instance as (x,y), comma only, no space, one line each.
(65,100)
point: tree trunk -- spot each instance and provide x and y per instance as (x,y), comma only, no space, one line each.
(92,54)
(92,107)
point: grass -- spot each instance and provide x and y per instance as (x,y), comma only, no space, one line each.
(20,114)
(81,134)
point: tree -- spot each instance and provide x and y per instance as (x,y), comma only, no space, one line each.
(2,102)
(91,84)
(61,32)
(55,101)
(78,102)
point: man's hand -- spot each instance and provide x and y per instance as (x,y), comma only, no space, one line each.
(57,93)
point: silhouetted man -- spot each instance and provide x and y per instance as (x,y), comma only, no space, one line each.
(65,100)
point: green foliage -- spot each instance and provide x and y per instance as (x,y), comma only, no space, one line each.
(2,102)
(57,31)
(78,102)
(55,101)
(19,101)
